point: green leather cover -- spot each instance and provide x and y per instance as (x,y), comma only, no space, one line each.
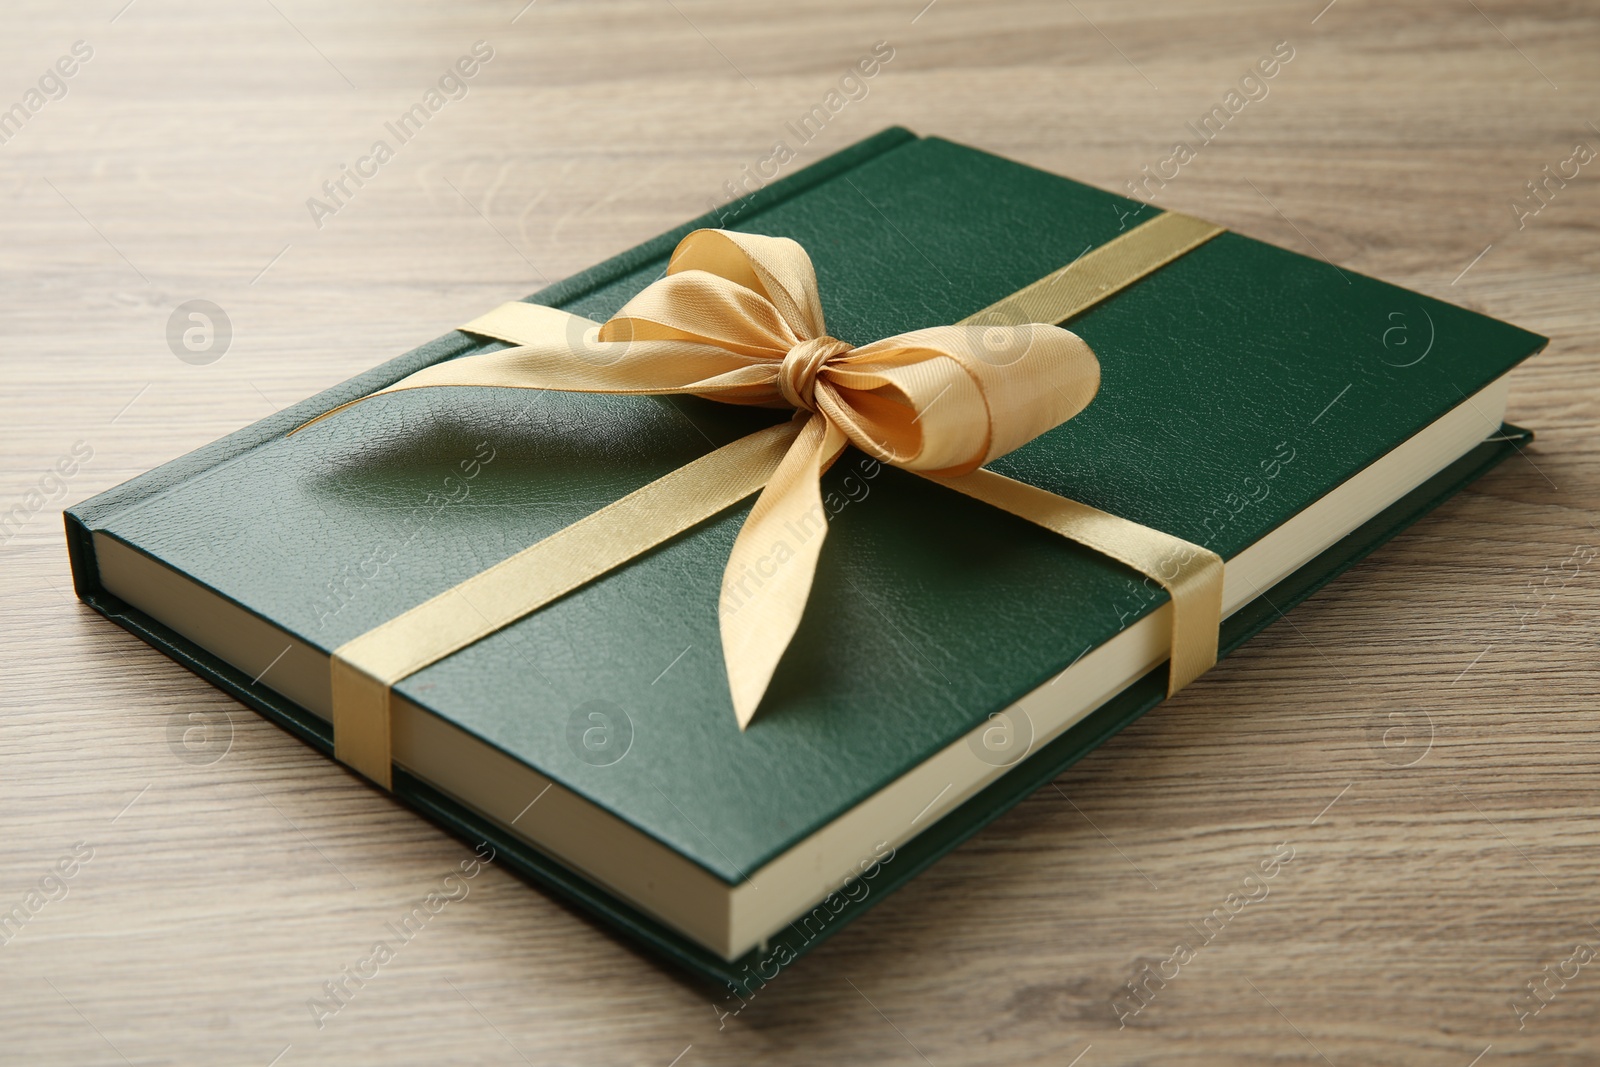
(1240,384)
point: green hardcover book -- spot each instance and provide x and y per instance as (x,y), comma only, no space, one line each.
(952,657)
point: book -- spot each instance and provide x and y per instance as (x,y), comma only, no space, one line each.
(952,657)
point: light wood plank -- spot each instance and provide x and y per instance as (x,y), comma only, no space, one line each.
(220,897)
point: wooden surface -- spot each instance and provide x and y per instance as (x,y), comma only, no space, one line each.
(1430,880)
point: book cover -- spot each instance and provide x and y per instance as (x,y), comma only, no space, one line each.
(1241,384)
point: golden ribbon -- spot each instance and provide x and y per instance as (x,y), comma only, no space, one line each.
(738,319)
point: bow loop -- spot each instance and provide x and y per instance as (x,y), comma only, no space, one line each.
(702,307)
(776,267)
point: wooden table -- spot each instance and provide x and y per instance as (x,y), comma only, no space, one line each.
(1422,734)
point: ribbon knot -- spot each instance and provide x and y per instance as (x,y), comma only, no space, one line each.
(797,375)
(738,319)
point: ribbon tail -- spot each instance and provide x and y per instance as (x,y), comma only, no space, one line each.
(770,570)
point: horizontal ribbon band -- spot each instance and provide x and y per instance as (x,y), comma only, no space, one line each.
(741,323)
(1191,575)
(1102,271)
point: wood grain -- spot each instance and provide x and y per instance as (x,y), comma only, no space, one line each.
(1429,883)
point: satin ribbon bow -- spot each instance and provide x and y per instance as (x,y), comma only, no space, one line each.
(738,319)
